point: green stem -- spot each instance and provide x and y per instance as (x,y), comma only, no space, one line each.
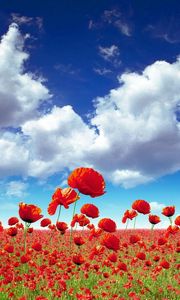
(134,222)
(59,213)
(74,209)
(127,223)
(170,220)
(27,225)
(152,228)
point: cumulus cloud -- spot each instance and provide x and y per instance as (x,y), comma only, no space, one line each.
(21,92)
(133,135)
(14,155)
(155,206)
(137,125)
(57,140)
(16,188)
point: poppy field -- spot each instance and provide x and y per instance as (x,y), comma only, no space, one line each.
(83,261)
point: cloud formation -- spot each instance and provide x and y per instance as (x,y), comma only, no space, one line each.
(132,137)
(21,92)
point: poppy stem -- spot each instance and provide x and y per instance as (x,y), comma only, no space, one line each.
(134,222)
(59,213)
(127,223)
(170,220)
(27,225)
(74,209)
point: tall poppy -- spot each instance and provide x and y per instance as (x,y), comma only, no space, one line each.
(168,211)
(29,213)
(107,225)
(141,206)
(87,181)
(110,241)
(129,214)
(90,210)
(153,219)
(177,221)
(62,197)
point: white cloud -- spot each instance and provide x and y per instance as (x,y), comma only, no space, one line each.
(109,53)
(21,93)
(57,140)
(155,206)
(139,136)
(128,178)
(123,27)
(102,71)
(16,189)
(133,136)
(19,19)
(14,155)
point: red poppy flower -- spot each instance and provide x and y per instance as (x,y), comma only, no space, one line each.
(78,240)
(29,213)
(62,197)
(110,241)
(45,222)
(81,219)
(37,246)
(90,210)
(113,257)
(9,248)
(168,211)
(62,227)
(12,221)
(141,255)
(78,259)
(87,181)
(153,219)
(162,241)
(122,266)
(12,231)
(25,258)
(165,264)
(177,221)
(134,239)
(141,206)
(107,225)
(129,214)
(30,230)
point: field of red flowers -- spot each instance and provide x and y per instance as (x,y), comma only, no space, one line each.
(85,262)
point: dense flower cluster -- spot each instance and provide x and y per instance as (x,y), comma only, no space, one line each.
(85,262)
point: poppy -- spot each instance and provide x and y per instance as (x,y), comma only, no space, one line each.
(107,225)
(12,231)
(141,206)
(129,214)
(37,246)
(134,238)
(45,222)
(62,197)
(153,219)
(78,259)
(110,241)
(165,264)
(80,219)
(168,211)
(62,227)
(177,221)
(78,240)
(13,221)
(90,210)
(87,181)
(141,255)
(29,213)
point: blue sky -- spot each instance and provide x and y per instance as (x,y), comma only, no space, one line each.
(91,84)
